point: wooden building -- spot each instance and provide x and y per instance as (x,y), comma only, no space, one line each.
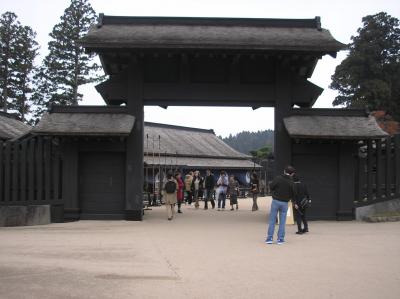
(324,146)
(206,62)
(175,147)
(168,61)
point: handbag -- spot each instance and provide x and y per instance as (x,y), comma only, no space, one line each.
(305,203)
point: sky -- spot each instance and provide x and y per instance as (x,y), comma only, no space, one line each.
(341,17)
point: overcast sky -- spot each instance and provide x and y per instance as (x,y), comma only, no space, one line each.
(341,17)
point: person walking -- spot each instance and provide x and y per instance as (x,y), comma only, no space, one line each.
(301,200)
(222,184)
(179,194)
(233,192)
(209,184)
(188,187)
(255,187)
(169,193)
(282,188)
(197,184)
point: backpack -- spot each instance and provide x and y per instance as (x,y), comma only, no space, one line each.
(170,187)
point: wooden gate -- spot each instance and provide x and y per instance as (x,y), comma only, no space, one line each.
(378,171)
(30,172)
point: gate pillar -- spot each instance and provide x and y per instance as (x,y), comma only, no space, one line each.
(134,144)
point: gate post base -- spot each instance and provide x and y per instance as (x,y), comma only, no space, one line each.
(133,215)
(345,215)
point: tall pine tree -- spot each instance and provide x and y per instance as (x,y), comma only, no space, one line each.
(18,50)
(370,74)
(67,66)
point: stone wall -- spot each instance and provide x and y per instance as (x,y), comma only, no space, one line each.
(24,215)
(381,207)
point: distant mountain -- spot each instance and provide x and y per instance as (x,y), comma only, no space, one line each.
(245,141)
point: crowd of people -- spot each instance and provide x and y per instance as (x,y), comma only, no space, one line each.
(286,187)
(192,187)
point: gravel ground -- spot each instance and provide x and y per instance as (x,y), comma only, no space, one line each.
(200,254)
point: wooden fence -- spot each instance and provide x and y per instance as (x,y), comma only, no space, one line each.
(378,171)
(30,172)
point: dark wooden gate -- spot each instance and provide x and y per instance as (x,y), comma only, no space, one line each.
(102,185)
(30,172)
(378,171)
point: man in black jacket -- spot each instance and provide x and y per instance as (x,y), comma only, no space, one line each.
(209,188)
(282,188)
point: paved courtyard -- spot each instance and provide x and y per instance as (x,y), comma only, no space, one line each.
(200,254)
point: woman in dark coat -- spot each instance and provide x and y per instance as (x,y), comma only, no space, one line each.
(301,192)
(254,189)
(197,187)
(233,191)
(179,194)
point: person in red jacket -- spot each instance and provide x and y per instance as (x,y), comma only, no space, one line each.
(179,194)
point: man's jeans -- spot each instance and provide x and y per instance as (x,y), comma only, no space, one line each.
(208,197)
(221,200)
(281,207)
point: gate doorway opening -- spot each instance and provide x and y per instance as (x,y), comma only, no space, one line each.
(198,145)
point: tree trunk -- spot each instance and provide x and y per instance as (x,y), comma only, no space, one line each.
(76,71)
(5,87)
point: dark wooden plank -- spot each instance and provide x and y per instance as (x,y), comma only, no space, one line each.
(56,175)
(47,169)
(1,171)
(397,162)
(39,169)
(31,170)
(370,159)
(388,164)
(7,172)
(23,173)
(379,168)
(357,195)
(15,171)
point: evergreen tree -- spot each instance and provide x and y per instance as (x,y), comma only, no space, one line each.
(67,66)
(370,74)
(246,142)
(18,51)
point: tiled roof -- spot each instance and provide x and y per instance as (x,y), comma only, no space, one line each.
(11,128)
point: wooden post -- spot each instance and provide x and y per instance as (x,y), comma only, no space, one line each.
(31,170)
(397,162)
(23,175)
(388,162)
(134,143)
(15,171)
(346,181)
(378,169)
(39,169)
(47,169)
(282,143)
(56,175)
(1,171)
(7,172)
(370,159)
(357,196)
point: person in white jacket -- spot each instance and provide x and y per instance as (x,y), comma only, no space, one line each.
(222,189)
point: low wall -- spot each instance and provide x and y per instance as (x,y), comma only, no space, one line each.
(24,215)
(381,207)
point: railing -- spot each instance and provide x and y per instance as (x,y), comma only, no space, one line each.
(378,171)
(30,172)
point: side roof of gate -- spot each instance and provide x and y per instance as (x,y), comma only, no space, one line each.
(333,124)
(11,127)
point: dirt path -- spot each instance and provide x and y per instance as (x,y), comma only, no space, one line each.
(200,254)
